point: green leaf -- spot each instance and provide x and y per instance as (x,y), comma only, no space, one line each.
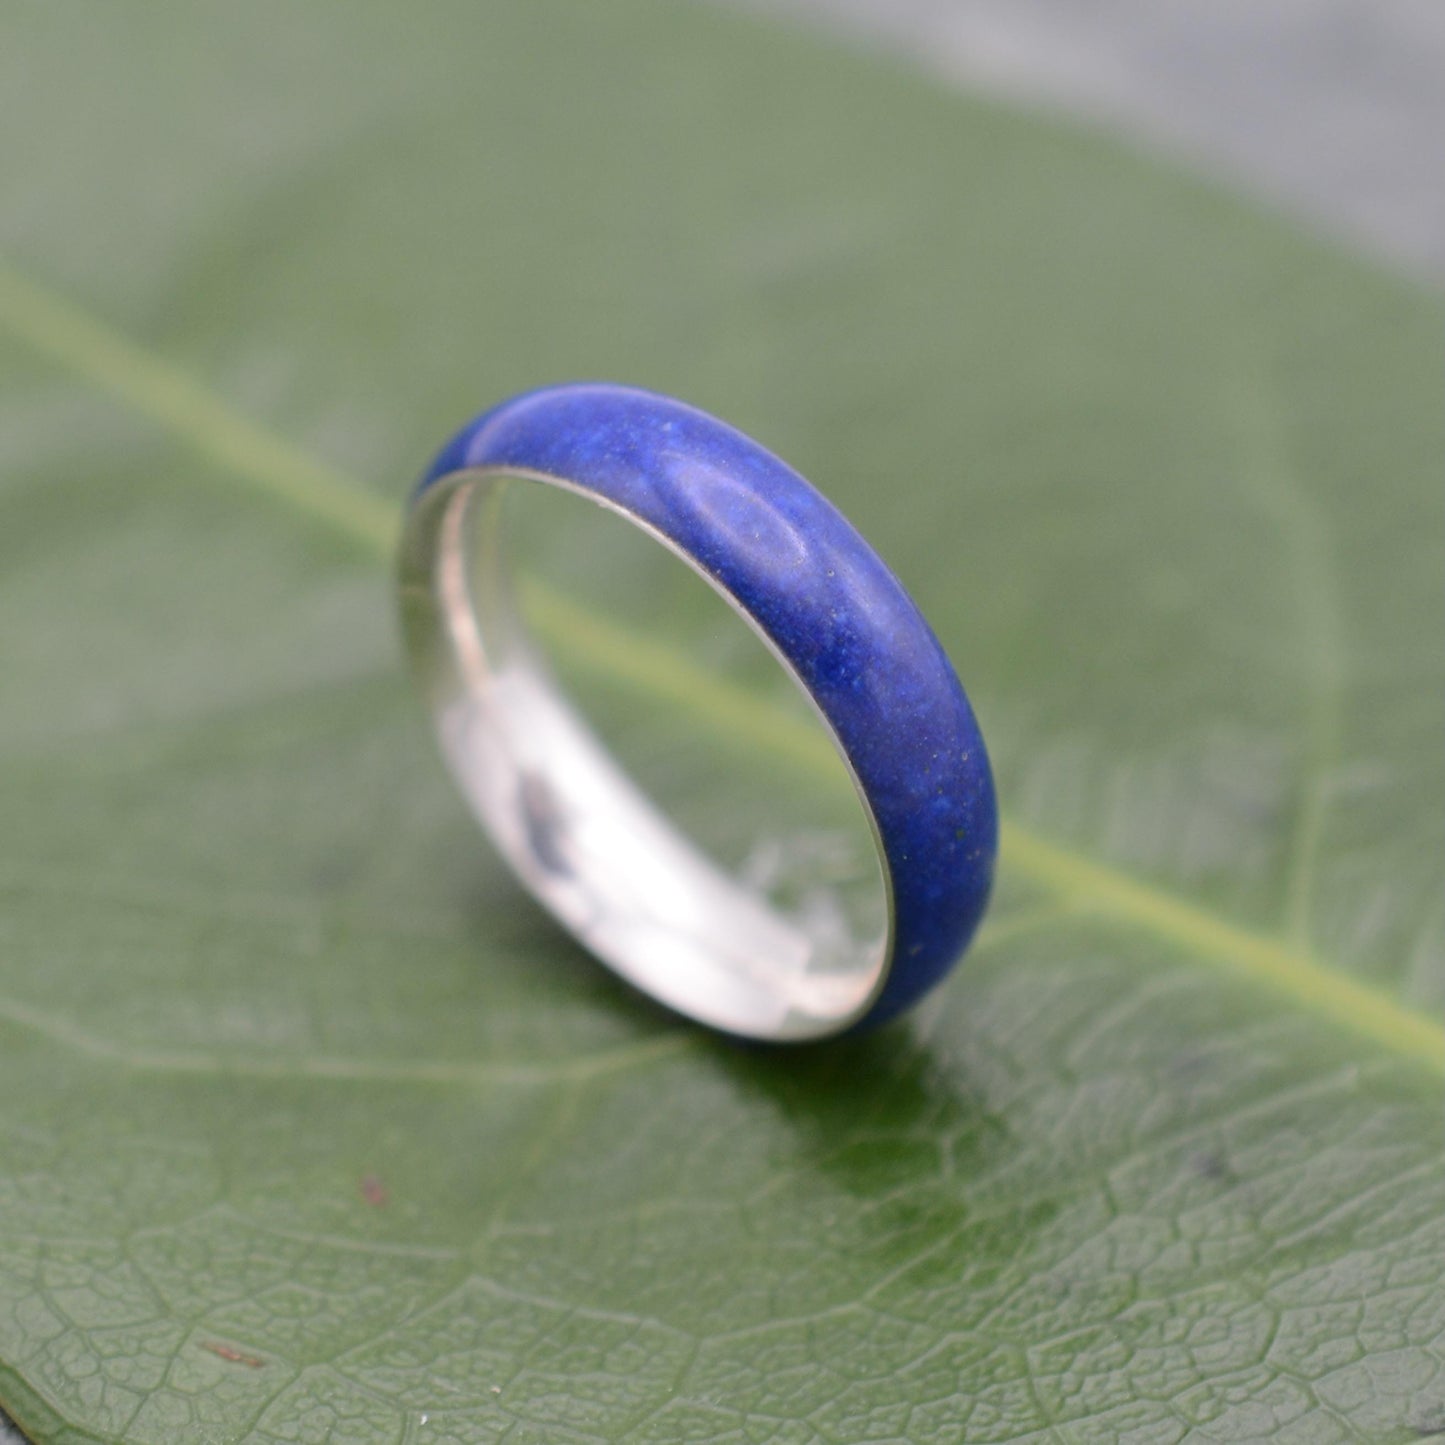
(313,1127)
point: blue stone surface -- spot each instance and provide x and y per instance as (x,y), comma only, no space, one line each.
(829,605)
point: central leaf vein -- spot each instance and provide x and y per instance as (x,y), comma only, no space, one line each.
(161,391)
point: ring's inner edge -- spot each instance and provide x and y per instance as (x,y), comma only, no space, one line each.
(573,825)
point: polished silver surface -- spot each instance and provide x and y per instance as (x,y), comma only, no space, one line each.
(575,828)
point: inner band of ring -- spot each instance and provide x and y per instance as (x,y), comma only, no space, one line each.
(572,824)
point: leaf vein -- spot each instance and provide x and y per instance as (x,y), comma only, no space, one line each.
(341,1069)
(1272,480)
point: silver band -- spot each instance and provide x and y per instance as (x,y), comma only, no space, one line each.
(573,826)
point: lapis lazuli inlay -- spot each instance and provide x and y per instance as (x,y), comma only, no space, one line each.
(830,606)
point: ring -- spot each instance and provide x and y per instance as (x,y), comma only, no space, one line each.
(575,828)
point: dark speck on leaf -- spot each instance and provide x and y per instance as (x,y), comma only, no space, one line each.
(1209,1165)
(1429,1421)
(235,1356)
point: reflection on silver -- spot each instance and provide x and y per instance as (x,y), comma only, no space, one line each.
(575,828)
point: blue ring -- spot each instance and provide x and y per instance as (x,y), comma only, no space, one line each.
(829,605)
